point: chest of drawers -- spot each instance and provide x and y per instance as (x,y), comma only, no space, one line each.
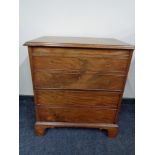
(78,82)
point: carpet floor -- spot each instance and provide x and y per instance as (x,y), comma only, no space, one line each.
(75,141)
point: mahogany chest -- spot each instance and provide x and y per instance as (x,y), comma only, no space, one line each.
(78,82)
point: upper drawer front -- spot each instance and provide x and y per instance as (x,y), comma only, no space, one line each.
(78,52)
(63,98)
(60,80)
(80,59)
(79,63)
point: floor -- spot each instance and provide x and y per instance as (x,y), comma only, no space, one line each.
(72,141)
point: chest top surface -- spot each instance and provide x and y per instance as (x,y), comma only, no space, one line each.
(79,42)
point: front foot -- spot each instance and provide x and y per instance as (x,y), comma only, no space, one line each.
(40,130)
(112,132)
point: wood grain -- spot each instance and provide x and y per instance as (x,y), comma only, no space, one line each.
(78,82)
(77,115)
(45,79)
(89,64)
(124,80)
(79,42)
(80,52)
(40,127)
(64,98)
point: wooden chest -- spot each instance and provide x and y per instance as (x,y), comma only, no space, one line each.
(78,82)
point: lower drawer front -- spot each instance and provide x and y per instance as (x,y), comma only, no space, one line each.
(77,98)
(76,115)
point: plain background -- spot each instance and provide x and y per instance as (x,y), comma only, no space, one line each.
(85,18)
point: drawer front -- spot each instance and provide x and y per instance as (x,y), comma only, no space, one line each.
(62,98)
(76,115)
(81,63)
(79,52)
(44,79)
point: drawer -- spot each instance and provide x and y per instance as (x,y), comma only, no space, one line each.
(76,115)
(79,52)
(81,63)
(60,80)
(62,98)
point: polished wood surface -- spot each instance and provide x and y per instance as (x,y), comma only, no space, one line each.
(89,64)
(88,81)
(75,98)
(76,114)
(40,127)
(78,82)
(79,42)
(80,52)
